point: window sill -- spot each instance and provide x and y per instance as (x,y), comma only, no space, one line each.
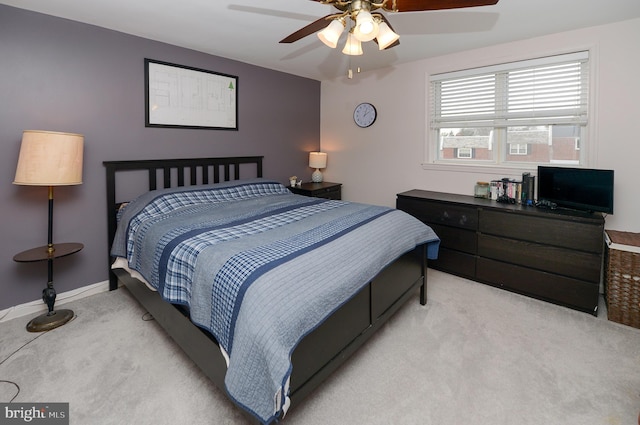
(502,170)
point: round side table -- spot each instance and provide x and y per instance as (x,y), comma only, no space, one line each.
(53,318)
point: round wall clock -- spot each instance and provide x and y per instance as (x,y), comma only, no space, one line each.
(365,114)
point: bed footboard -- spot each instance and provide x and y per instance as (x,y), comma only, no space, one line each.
(321,352)
(331,344)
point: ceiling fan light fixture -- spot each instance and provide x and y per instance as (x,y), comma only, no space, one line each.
(332,32)
(386,37)
(366,27)
(352,47)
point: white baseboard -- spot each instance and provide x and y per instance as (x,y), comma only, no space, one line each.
(38,306)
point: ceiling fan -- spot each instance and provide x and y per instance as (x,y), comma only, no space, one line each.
(366,23)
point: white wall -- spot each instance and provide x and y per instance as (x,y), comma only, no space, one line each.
(376,163)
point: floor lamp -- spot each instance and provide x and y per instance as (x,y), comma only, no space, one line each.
(49,159)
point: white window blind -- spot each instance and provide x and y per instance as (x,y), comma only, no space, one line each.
(544,91)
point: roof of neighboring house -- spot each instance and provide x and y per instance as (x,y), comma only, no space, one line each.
(524,136)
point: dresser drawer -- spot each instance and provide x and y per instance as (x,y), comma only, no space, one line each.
(455,262)
(577,264)
(550,231)
(561,290)
(329,193)
(456,238)
(455,215)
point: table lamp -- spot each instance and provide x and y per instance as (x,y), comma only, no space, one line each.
(317,160)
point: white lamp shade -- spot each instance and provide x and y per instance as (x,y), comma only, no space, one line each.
(366,27)
(386,37)
(317,159)
(331,33)
(353,46)
(49,158)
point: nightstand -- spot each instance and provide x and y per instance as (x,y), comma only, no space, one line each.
(326,190)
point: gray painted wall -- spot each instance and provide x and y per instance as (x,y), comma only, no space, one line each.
(60,75)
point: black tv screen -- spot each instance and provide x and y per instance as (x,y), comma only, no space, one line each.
(585,189)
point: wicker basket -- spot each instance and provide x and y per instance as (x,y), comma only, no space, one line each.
(623,277)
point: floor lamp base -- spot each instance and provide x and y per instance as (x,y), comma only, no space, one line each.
(49,321)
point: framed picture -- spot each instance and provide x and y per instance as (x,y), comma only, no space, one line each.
(183,97)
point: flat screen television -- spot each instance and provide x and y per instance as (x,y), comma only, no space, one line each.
(584,189)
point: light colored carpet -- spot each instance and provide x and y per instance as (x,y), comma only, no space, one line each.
(474,355)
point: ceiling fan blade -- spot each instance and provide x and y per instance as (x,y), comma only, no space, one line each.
(308,30)
(421,5)
(340,4)
(271,12)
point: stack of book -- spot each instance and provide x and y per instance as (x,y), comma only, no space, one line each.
(513,191)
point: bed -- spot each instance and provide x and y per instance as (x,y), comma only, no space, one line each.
(266,291)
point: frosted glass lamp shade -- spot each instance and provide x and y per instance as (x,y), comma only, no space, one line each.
(353,47)
(331,33)
(49,158)
(366,28)
(386,37)
(317,160)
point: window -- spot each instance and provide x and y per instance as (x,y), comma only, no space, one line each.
(518,148)
(530,112)
(465,153)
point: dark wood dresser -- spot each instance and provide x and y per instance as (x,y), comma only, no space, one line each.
(552,255)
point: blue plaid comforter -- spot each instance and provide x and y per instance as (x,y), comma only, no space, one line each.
(248,260)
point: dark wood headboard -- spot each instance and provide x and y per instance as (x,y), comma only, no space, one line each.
(165,173)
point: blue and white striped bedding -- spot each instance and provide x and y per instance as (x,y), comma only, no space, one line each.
(248,259)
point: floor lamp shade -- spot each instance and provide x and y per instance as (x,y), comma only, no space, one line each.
(50,158)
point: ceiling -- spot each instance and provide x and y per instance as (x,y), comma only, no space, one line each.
(249,30)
